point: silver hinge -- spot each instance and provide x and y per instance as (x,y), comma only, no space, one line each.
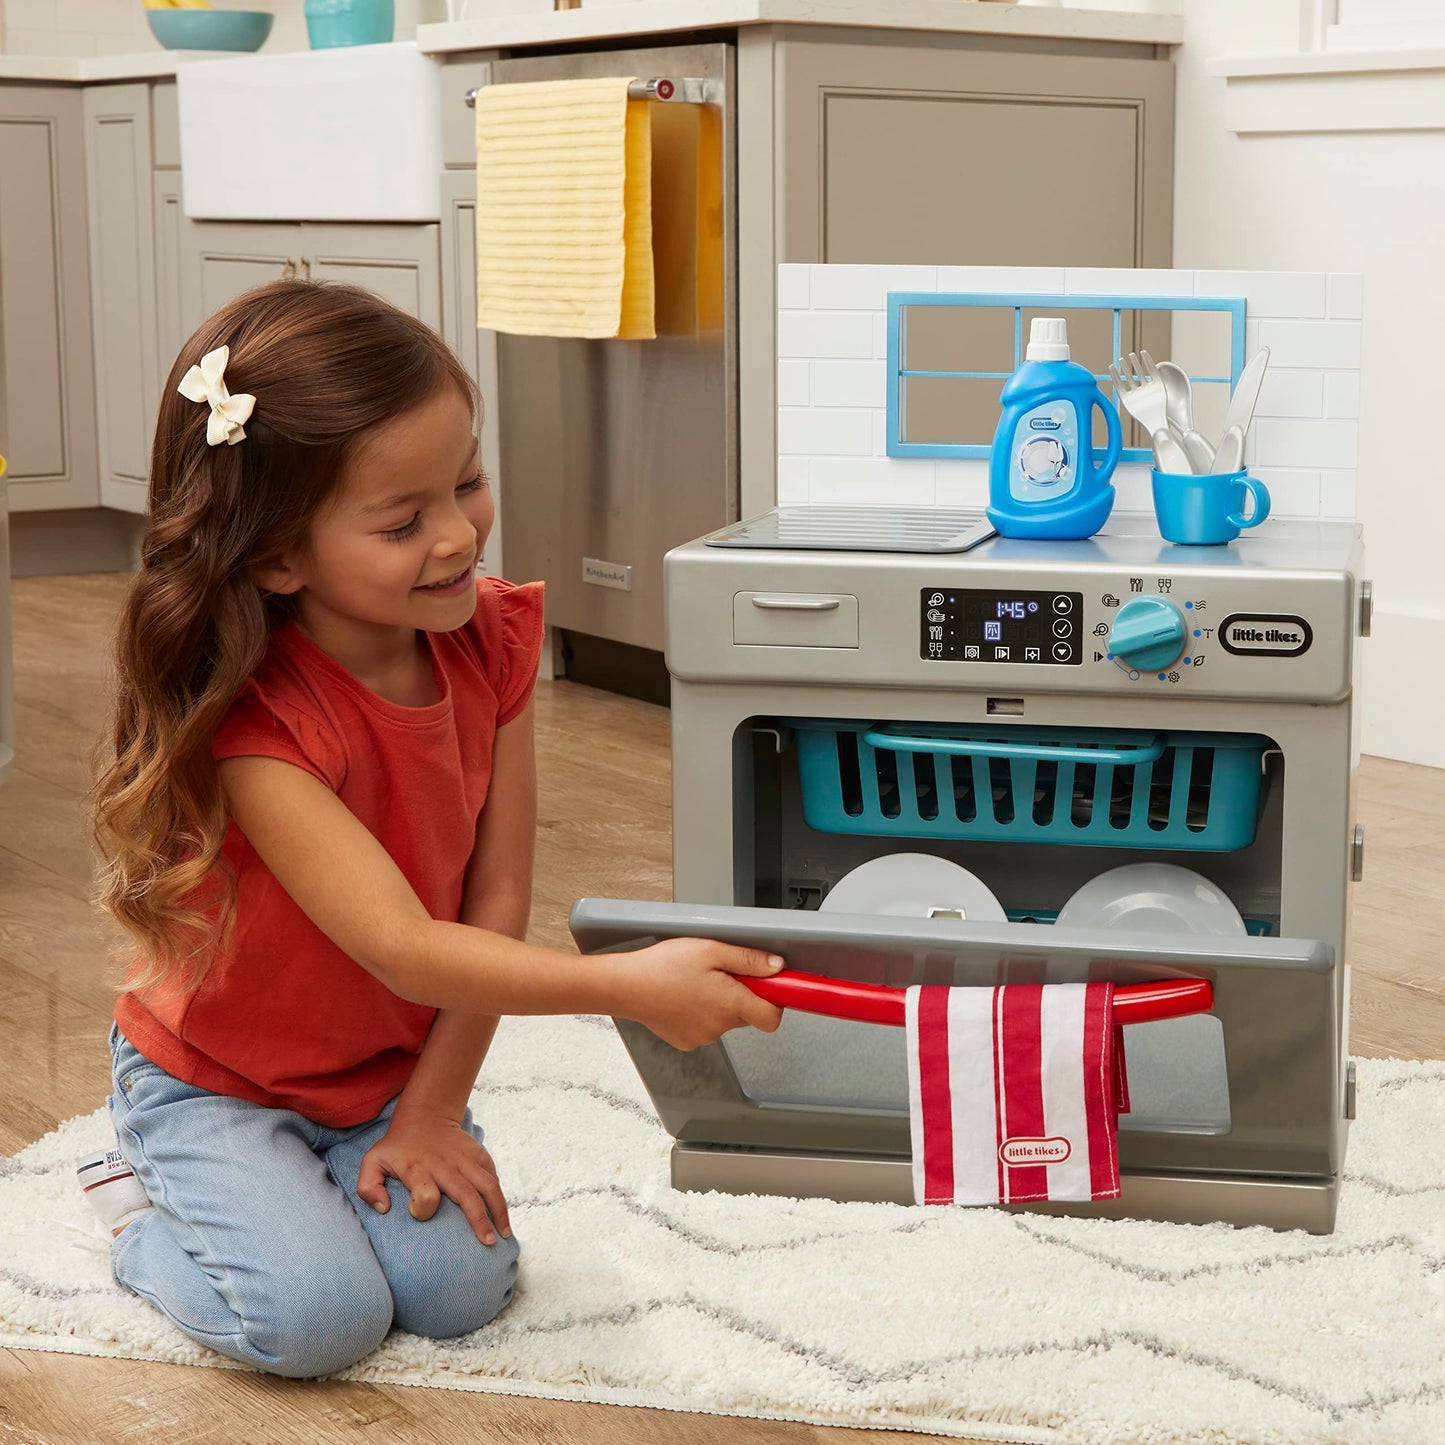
(1357,852)
(1367,606)
(1350,1089)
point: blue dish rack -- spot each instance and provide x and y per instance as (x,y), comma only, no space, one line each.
(1116,789)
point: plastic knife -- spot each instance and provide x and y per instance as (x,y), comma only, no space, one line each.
(1246,394)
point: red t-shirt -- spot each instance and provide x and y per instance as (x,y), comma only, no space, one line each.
(284,1017)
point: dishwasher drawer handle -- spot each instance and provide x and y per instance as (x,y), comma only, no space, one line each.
(796,603)
(687,90)
(871,1003)
(1044,752)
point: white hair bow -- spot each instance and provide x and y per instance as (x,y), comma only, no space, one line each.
(205,383)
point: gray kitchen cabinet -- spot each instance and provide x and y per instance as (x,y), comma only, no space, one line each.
(121,215)
(170,228)
(885,147)
(220,259)
(476,348)
(49,389)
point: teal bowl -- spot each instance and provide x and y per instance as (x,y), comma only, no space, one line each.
(210,29)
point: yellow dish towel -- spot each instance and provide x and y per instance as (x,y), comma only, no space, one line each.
(564,210)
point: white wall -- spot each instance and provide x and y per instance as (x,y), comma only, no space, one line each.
(1372,202)
(118,27)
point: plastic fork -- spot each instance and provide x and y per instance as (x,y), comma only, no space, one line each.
(1179,395)
(1142,396)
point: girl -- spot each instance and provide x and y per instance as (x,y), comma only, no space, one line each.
(318,831)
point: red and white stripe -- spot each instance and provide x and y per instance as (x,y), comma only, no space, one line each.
(1014,1093)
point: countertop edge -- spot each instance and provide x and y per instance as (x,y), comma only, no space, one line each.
(664,16)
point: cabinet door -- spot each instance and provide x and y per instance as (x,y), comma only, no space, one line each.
(220,259)
(477,348)
(171,228)
(400,262)
(123,287)
(49,389)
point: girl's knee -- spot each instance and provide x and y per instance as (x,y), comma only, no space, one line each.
(458,1294)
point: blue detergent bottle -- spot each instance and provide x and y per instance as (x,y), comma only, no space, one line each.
(1043,480)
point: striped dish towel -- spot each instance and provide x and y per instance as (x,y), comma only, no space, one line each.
(1014,1093)
(564,210)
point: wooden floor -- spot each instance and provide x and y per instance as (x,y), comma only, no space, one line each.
(603,830)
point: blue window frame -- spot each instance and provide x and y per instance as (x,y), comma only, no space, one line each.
(899,301)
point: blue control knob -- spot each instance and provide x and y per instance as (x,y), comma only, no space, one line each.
(1148,633)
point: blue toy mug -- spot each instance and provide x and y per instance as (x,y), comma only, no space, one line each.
(1201,511)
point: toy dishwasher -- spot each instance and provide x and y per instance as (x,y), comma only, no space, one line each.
(1037,713)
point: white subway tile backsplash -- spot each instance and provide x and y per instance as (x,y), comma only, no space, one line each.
(1342,394)
(1133,489)
(794,291)
(866,288)
(1095,281)
(810,334)
(803,432)
(880,336)
(961,484)
(793,389)
(1338,493)
(1279,442)
(896,481)
(1346,295)
(1334,345)
(962,280)
(1292,393)
(848,383)
(1293,491)
(1268,293)
(793,480)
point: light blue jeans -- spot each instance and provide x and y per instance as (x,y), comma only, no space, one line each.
(257,1245)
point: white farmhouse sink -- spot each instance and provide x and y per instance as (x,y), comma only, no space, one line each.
(351,134)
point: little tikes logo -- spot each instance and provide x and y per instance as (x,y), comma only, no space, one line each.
(1034,1151)
(1043,423)
(1265,634)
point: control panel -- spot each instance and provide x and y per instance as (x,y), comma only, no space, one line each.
(1130,630)
(972,624)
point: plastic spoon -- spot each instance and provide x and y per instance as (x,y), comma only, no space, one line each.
(1231,451)
(1179,401)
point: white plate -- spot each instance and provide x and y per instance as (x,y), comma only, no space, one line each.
(1161,896)
(913,885)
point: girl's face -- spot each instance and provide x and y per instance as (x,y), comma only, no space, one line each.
(396,548)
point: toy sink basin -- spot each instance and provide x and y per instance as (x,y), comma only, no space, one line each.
(348,134)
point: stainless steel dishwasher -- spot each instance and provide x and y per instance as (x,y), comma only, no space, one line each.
(613,452)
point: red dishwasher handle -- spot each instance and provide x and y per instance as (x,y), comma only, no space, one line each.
(871,1003)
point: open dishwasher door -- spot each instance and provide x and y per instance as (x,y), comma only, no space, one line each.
(1239,1113)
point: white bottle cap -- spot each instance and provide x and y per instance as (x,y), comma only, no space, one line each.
(1048,339)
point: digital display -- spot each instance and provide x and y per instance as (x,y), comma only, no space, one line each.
(976,625)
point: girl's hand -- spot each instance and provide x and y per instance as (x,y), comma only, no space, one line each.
(433,1155)
(682,990)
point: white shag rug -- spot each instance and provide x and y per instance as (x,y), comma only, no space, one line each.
(953,1322)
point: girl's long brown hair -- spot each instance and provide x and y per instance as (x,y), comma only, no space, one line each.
(326,363)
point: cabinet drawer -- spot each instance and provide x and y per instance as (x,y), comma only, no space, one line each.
(795,619)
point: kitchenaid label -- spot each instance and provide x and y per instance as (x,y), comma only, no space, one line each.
(607,574)
(1034,1151)
(1265,634)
